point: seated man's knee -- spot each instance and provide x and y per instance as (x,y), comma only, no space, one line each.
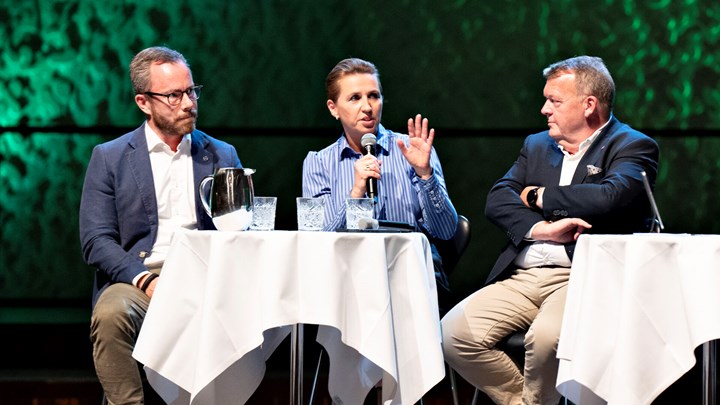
(460,341)
(542,340)
(119,309)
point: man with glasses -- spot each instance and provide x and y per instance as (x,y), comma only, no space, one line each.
(140,188)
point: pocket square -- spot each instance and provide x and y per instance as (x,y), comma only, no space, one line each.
(592,170)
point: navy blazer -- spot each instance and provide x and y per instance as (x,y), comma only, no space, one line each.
(606,190)
(118,209)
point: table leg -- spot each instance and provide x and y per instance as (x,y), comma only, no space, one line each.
(710,372)
(296,364)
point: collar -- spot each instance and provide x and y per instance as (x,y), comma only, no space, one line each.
(382,144)
(587,142)
(155,144)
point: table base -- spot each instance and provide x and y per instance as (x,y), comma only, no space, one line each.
(710,372)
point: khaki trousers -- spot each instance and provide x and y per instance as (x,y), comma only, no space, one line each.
(114,328)
(531,299)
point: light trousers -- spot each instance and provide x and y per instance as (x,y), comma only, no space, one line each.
(114,327)
(531,299)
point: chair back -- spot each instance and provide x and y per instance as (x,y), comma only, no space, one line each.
(451,250)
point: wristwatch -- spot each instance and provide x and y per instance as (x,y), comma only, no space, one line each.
(532,197)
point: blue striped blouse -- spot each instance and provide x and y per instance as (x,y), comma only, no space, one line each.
(403,196)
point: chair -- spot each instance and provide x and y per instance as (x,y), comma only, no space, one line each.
(514,344)
(450,251)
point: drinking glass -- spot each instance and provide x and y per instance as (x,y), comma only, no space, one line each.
(310,213)
(357,209)
(264,213)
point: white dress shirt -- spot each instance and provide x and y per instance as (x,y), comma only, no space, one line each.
(174,191)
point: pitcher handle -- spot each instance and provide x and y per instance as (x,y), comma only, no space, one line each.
(203,199)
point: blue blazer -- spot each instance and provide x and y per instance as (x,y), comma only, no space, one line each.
(118,209)
(606,190)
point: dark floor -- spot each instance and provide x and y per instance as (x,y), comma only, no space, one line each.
(51,364)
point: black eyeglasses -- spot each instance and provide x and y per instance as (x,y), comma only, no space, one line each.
(176,97)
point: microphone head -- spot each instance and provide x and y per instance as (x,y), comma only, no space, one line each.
(368,223)
(368,140)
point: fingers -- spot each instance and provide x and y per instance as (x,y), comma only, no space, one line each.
(418,128)
(581,223)
(424,125)
(418,125)
(368,166)
(411,127)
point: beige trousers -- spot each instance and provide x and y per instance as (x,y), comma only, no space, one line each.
(114,328)
(531,299)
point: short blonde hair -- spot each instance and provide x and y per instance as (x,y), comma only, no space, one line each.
(591,77)
(347,67)
(140,65)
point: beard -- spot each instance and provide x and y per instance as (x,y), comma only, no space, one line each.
(177,126)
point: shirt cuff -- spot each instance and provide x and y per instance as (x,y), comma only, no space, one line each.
(528,235)
(137,278)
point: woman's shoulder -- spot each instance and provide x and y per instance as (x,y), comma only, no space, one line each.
(327,152)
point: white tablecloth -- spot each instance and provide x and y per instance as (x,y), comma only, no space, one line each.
(225,301)
(637,307)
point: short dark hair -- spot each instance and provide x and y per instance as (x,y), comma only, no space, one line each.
(346,67)
(591,77)
(140,65)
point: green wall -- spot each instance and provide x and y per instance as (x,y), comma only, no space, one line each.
(474,68)
(466,64)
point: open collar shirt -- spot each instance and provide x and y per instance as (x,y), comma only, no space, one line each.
(544,253)
(174,191)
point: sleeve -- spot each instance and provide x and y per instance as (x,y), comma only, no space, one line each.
(234,158)
(505,209)
(439,217)
(316,182)
(99,224)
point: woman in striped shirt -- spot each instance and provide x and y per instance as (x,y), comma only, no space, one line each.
(410,184)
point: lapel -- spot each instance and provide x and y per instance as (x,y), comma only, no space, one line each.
(203,159)
(138,160)
(555,157)
(203,165)
(595,154)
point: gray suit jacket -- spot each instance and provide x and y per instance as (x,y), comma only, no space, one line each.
(606,190)
(118,209)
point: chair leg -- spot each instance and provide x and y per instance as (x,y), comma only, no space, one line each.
(317,372)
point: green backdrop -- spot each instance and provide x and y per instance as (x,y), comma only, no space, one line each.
(472,67)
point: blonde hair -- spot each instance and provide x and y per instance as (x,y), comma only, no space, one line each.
(140,65)
(591,77)
(347,67)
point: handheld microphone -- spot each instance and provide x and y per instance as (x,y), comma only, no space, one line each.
(387,226)
(368,223)
(368,142)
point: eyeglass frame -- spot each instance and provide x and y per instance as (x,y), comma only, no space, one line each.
(193,93)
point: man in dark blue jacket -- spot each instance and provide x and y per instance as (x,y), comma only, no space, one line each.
(582,175)
(139,189)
